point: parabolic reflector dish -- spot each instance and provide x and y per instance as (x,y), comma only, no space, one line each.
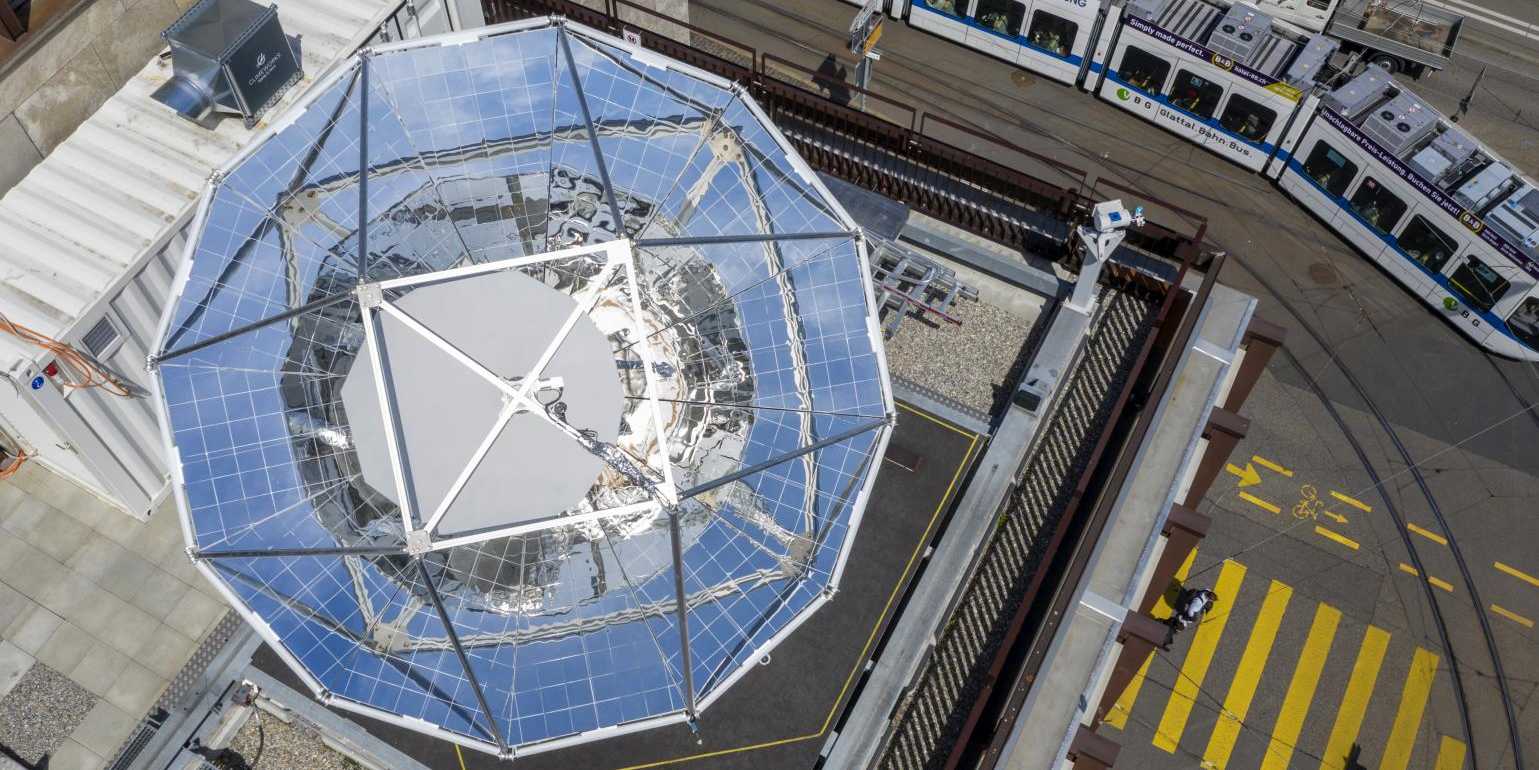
(523,389)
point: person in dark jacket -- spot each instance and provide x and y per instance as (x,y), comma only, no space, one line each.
(1190,607)
(830,78)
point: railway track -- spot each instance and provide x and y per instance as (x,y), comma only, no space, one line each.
(930,718)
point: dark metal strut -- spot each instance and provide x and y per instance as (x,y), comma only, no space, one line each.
(707,240)
(459,651)
(355,550)
(315,304)
(598,155)
(792,455)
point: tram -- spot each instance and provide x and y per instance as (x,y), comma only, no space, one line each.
(1440,212)
(1229,79)
(1443,214)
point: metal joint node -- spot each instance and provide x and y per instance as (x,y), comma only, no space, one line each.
(418,542)
(370,295)
(151,363)
(192,554)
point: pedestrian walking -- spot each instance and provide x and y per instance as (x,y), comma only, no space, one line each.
(1191,605)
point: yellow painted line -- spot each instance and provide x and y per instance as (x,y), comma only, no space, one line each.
(1118,715)
(1413,700)
(1440,583)
(1512,616)
(1450,754)
(1195,667)
(1259,503)
(1352,501)
(1517,573)
(1271,466)
(1252,662)
(1342,539)
(1354,704)
(1430,535)
(1409,570)
(1301,689)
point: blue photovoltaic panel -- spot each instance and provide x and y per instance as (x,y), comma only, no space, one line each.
(755,393)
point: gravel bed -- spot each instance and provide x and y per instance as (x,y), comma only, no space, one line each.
(41,711)
(286,746)
(966,363)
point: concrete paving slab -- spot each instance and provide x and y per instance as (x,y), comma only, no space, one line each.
(73,756)
(66,647)
(11,604)
(14,662)
(32,630)
(34,572)
(160,594)
(135,689)
(53,112)
(72,597)
(103,730)
(99,619)
(130,630)
(166,651)
(61,536)
(136,37)
(126,575)
(195,613)
(99,669)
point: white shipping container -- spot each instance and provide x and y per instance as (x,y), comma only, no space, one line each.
(91,239)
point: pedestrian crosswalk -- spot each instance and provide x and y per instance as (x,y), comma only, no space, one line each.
(1247,694)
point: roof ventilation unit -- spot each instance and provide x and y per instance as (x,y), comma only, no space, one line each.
(1446,157)
(1518,217)
(1311,61)
(1148,10)
(1484,188)
(1360,93)
(230,56)
(1242,30)
(1400,123)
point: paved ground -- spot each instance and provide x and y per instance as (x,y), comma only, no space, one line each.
(1358,348)
(98,612)
(779,714)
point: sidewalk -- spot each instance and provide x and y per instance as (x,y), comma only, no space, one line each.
(98,612)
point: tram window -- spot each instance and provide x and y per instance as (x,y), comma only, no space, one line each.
(1427,244)
(1524,322)
(1247,118)
(1377,205)
(1002,16)
(1053,33)
(1143,70)
(1330,169)
(1195,94)
(1478,283)
(944,6)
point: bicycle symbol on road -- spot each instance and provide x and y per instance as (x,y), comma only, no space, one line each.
(1309,504)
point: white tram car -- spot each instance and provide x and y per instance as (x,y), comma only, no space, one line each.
(1439,211)
(1229,79)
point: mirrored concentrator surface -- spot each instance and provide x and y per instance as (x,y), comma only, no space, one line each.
(523,387)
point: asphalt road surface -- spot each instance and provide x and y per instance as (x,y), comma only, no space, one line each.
(1384,443)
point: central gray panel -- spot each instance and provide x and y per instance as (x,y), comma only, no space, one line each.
(505,321)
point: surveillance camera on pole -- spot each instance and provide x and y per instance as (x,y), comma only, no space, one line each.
(1097,240)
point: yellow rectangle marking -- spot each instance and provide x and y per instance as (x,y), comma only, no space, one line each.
(1246,677)
(1430,535)
(1342,539)
(1450,754)
(1271,466)
(1512,616)
(1118,716)
(1440,583)
(1354,704)
(1409,570)
(1413,700)
(1195,667)
(1301,688)
(1259,503)
(1517,573)
(1352,501)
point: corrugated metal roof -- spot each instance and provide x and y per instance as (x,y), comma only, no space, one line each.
(116,187)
